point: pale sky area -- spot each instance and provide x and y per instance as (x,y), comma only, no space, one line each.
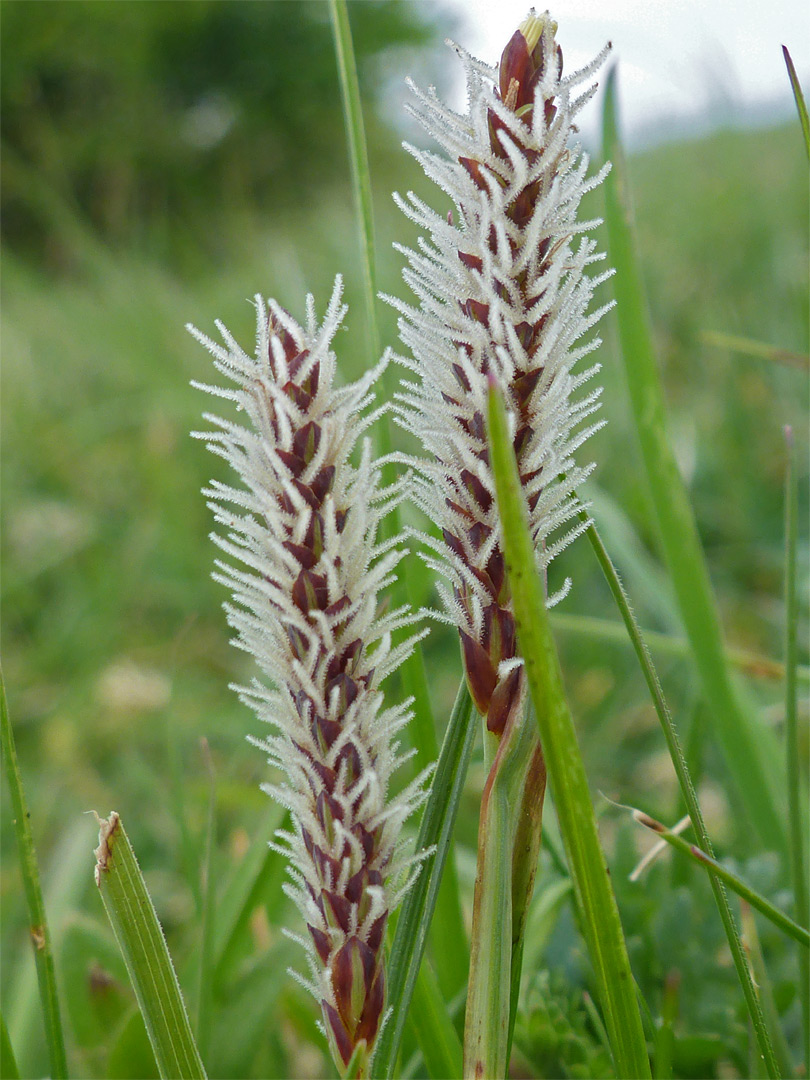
(680,61)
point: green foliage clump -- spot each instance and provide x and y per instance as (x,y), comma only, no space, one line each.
(555,1034)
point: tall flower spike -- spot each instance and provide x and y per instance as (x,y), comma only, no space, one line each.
(306,571)
(503,293)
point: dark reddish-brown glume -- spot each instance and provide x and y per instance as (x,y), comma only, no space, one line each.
(357,974)
(496,698)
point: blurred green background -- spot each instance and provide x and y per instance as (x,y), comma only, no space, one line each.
(162,163)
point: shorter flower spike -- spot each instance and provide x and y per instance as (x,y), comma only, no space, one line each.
(502,293)
(306,573)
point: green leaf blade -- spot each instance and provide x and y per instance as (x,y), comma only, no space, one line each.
(589,874)
(140,938)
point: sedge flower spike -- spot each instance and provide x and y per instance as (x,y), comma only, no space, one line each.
(502,294)
(306,570)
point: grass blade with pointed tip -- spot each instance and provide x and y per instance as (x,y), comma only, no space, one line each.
(566,773)
(438,819)
(688,793)
(38,925)
(749,749)
(799,96)
(796,805)
(140,938)
(735,883)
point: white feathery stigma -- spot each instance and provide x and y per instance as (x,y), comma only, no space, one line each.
(303,563)
(502,292)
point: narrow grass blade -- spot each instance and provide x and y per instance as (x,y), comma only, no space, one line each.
(757,348)
(140,938)
(689,795)
(589,874)
(797,807)
(735,883)
(749,748)
(438,820)
(799,96)
(8,1063)
(38,926)
(205,988)
(358,159)
(435,1033)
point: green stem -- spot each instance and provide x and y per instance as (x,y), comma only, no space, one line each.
(749,748)
(38,925)
(525,855)
(143,947)
(589,873)
(796,805)
(688,793)
(495,937)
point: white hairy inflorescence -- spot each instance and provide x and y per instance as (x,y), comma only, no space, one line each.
(502,293)
(306,572)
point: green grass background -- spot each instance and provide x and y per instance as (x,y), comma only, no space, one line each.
(115,649)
